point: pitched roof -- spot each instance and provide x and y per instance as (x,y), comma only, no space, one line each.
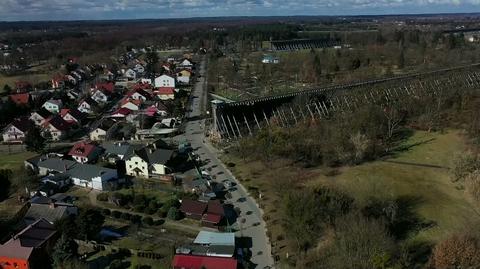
(22,124)
(105,124)
(165,90)
(82,149)
(33,236)
(59,123)
(140,91)
(88,171)
(56,164)
(76,114)
(42,112)
(50,212)
(198,262)
(89,101)
(20,98)
(158,156)
(57,102)
(193,207)
(130,100)
(109,86)
(123,148)
(123,111)
(215,207)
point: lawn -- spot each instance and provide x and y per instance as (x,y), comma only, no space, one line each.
(420,173)
(32,78)
(15,160)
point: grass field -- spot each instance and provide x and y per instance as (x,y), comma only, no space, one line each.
(15,160)
(419,172)
(32,78)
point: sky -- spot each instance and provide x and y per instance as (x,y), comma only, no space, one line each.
(28,10)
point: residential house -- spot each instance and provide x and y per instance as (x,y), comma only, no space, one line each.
(56,127)
(114,152)
(29,248)
(57,179)
(73,116)
(148,161)
(20,99)
(93,176)
(130,103)
(156,109)
(186,63)
(165,93)
(121,113)
(193,209)
(39,117)
(164,81)
(130,74)
(53,106)
(88,105)
(183,76)
(139,94)
(109,87)
(214,215)
(181,261)
(101,96)
(101,130)
(214,244)
(42,207)
(83,152)
(16,131)
(73,94)
(139,69)
(84,175)
(58,82)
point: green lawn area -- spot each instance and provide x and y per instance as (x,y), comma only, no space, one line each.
(411,174)
(14,161)
(32,78)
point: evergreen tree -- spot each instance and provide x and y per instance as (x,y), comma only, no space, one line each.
(64,252)
(34,140)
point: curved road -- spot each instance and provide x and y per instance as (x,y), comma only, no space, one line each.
(253,226)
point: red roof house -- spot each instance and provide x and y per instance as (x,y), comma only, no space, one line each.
(20,98)
(121,113)
(165,93)
(109,86)
(29,247)
(200,262)
(214,214)
(83,152)
(193,209)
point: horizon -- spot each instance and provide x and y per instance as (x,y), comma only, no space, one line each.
(115,10)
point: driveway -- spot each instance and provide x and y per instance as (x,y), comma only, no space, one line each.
(249,225)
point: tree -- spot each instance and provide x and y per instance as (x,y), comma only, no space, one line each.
(152,60)
(458,251)
(89,223)
(7,89)
(34,140)
(5,183)
(64,252)
(173,213)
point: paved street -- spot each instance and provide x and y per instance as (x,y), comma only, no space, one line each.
(254,227)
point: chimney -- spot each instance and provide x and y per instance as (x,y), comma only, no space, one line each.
(150,150)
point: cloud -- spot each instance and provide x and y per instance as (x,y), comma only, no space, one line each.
(108,9)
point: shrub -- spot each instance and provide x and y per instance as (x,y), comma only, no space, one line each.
(458,251)
(126,216)
(173,213)
(472,185)
(116,214)
(230,164)
(106,212)
(136,218)
(463,165)
(148,221)
(103,197)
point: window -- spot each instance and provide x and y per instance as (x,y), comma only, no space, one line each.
(136,163)
(130,166)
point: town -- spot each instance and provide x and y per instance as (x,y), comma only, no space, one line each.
(339,142)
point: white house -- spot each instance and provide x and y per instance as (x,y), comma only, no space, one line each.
(53,106)
(186,63)
(164,81)
(131,104)
(16,131)
(83,152)
(39,117)
(100,132)
(100,96)
(130,74)
(139,94)
(57,127)
(165,93)
(87,105)
(147,162)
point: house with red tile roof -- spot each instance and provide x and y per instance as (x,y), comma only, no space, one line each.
(165,93)
(73,115)
(214,215)
(181,261)
(39,117)
(139,94)
(84,152)
(28,248)
(107,86)
(132,104)
(20,99)
(193,209)
(122,112)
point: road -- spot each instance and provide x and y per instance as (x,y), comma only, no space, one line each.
(253,227)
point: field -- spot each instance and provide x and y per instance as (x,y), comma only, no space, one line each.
(419,173)
(32,78)
(15,160)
